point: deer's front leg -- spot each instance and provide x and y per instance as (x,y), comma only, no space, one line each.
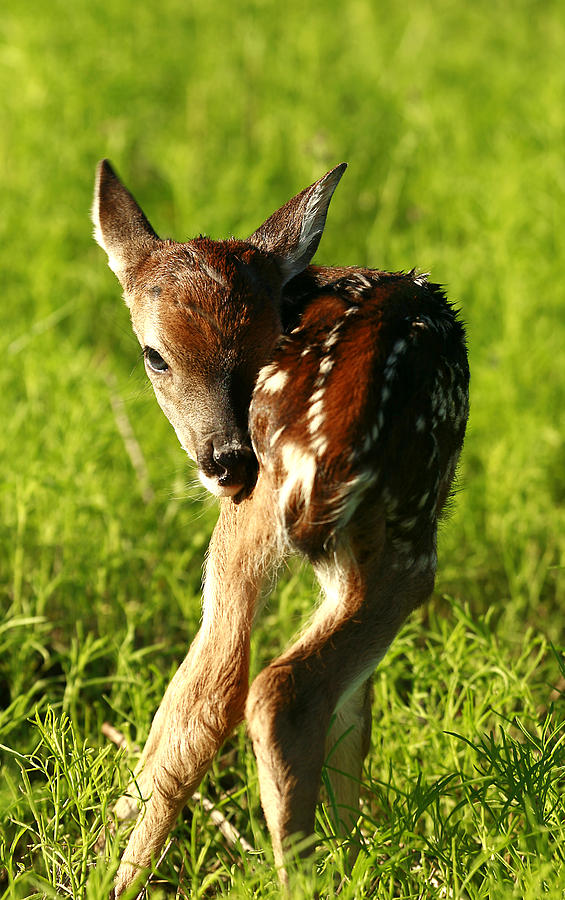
(206,697)
(202,705)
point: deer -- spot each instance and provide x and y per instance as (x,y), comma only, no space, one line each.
(325,407)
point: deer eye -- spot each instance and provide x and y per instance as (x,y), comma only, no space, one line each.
(154,360)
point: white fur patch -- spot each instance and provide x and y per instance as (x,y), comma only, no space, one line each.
(407,524)
(391,362)
(332,578)
(218,490)
(275,382)
(315,425)
(333,336)
(277,435)
(367,443)
(265,373)
(300,467)
(316,411)
(423,499)
(352,493)
(319,445)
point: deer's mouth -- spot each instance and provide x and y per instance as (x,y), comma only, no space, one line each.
(215,486)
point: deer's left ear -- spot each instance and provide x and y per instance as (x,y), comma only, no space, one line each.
(120,225)
(293,232)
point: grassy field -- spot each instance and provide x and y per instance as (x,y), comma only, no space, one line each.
(452,118)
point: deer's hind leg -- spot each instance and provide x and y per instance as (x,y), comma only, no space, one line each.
(291,703)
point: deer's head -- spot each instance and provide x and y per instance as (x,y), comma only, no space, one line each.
(206,314)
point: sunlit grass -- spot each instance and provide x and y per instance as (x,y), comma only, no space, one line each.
(452,120)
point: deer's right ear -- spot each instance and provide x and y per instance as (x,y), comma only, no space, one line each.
(292,234)
(120,226)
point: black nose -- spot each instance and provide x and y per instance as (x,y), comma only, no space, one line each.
(235,465)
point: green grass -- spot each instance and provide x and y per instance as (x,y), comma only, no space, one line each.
(452,118)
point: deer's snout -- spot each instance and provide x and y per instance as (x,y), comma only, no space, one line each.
(228,468)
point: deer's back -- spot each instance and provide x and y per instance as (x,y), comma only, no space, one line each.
(363,406)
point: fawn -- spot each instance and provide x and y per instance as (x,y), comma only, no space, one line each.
(326,408)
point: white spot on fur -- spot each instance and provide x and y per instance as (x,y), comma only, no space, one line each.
(408,524)
(300,466)
(277,435)
(316,410)
(319,445)
(317,396)
(390,365)
(332,337)
(326,366)
(403,546)
(275,382)
(266,373)
(315,423)
(434,453)
(352,492)
(422,501)
(367,443)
